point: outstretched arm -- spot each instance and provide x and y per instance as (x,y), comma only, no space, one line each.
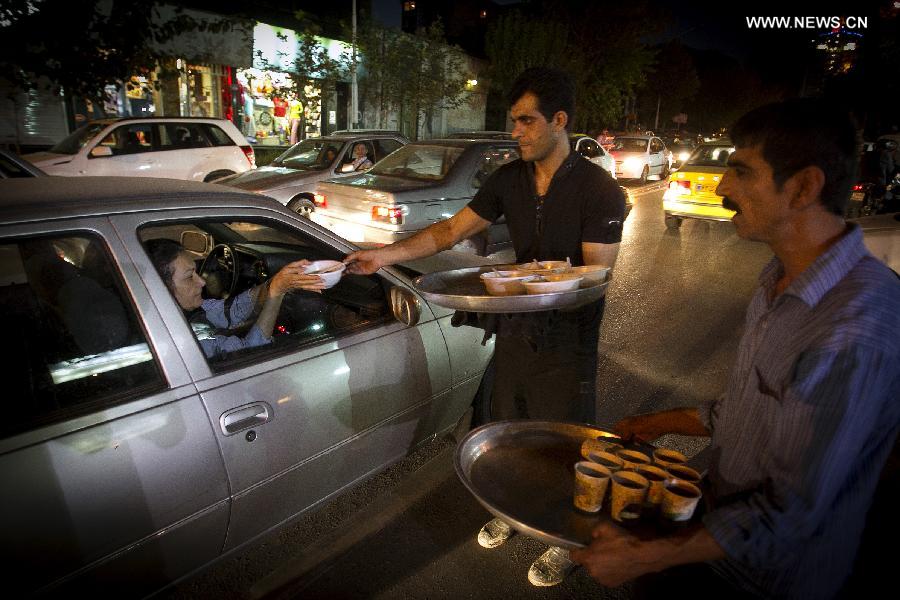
(429,241)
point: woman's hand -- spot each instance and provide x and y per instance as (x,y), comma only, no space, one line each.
(292,277)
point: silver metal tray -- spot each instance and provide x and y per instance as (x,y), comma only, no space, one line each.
(462,289)
(523,472)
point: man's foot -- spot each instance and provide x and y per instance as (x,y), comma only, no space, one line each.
(551,567)
(494,533)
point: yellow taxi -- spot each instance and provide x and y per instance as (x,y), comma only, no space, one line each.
(692,188)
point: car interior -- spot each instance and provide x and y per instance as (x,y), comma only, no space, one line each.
(234,257)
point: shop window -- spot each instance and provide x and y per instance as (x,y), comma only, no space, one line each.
(75,342)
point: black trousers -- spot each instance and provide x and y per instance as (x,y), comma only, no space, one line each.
(546,365)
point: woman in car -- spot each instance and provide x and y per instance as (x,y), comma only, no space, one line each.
(258,306)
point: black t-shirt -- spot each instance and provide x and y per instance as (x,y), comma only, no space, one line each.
(582,204)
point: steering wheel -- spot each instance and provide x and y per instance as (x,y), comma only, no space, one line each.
(220,270)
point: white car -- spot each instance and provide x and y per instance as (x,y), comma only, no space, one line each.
(198,149)
(641,157)
(594,152)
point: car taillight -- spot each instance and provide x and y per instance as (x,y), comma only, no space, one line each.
(251,157)
(320,201)
(686,184)
(388,214)
(858,187)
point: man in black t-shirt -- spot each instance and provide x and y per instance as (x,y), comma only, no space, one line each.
(557,206)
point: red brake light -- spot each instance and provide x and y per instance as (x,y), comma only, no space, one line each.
(320,200)
(388,214)
(858,187)
(251,157)
(686,184)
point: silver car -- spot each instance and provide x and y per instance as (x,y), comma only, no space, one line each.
(420,184)
(130,459)
(291,178)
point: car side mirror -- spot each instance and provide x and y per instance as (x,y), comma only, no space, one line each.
(405,306)
(196,241)
(347,168)
(99,151)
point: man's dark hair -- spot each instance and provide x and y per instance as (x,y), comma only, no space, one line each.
(804,132)
(162,254)
(554,89)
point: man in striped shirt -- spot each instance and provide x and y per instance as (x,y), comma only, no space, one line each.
(812,406)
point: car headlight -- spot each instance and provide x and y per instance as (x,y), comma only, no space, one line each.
(683,156)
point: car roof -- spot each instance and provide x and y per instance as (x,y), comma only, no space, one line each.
(718,142)
(636,137)
(45,198)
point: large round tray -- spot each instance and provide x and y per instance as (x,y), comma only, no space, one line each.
(523,472)
(462,289)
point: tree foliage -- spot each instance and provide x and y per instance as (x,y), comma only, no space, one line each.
(598,42)
(670,85)
(413,75)
(85,45)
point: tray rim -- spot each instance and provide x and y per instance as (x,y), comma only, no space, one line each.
(567,299)
(517,524)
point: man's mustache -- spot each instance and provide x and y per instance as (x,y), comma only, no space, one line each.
(729,204)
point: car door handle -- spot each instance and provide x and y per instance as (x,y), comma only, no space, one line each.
(244,417)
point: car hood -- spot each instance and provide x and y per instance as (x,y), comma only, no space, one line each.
(267,178)
(46,159)
(626,153)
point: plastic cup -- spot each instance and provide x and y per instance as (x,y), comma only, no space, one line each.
(628,492)
(657,477)
(591,481)
(679,500)
(666,457)
(633,458)
(607,459)
(684,473)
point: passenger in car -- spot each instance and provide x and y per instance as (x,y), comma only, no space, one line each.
(361,160)
(256,307)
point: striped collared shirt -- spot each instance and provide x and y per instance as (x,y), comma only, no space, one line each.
(809,417)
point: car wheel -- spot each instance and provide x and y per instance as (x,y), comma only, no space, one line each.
(665,172)
(217,175)
(303,206)
(645,173)
(673,223)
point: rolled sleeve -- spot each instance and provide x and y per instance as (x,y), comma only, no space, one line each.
(222,344)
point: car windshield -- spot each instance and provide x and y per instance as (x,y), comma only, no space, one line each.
(310,155)
(425,162)
(625,144)
(78,138)
(710,156)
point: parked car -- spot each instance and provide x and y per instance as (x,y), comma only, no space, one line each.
(12,166)
(129,458)
(480,135)
(641,157)
(692,188)
(419,184)
(199,149)
(291,178)
(594,152)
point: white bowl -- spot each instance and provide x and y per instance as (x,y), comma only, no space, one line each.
(545,266)
(506,283)
(593,274)
(331,277)
(560,282)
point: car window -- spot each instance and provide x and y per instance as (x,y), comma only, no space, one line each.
(656,146)
(78,138)
(385,147)
(710,156)
(216,135)
(419,161)
(491,159)
(181,136)
(129,139)
(589,148)
(256,252)
(73,337)
(10,169)
(310,155)
(630,144)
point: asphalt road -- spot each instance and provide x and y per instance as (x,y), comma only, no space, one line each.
(674,315)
